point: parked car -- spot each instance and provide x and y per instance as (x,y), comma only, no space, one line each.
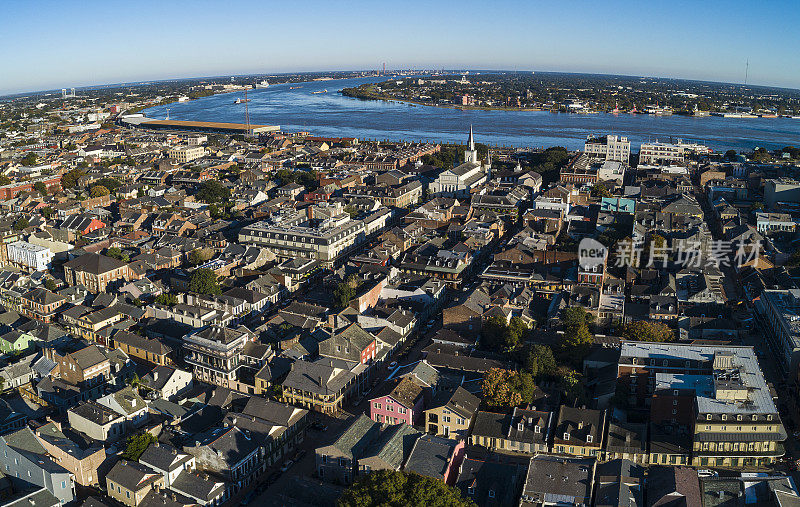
(286,466)
(393,365)
(704,473)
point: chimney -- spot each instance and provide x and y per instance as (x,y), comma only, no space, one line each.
(332,323)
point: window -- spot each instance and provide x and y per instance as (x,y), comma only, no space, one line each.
(566,436)
(470,490)
(674,403)
(491,493)
(589,439)
(537,429)
(708,417)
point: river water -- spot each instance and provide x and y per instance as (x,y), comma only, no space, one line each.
(331,114)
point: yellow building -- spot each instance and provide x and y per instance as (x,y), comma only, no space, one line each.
(451,413)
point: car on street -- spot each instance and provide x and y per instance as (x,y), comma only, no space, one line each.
(393,365)
(286,466)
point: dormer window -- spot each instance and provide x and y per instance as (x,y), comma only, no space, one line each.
(769,417)
(470,490)
(520,427)
(588,439)
(491,493)
(537,429)
(738,417)
(755,417)
(724,417)
(566,436)
(708,417)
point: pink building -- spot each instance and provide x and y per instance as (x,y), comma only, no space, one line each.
(404,404)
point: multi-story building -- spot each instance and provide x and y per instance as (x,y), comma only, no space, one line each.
(781,190)
(184,154)
(128,482)
(578,431)
(213,352)
(615,148)
(323,385)
(41,304)
(29,256)
(26,462)
(766,223)
(734,421)
(523,431)
(451,413)
(781,312)
(325,233)
(662,153)
(95,271)
(82,461)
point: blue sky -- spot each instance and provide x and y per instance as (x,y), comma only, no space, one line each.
(49,44)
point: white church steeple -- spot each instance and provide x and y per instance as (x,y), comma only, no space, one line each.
(471,154)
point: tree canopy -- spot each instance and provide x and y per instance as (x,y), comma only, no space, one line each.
(40,187)
(647,331)
(499,336)
(99,191)
(389,488)
(70,178)
(212,191)
(137,444)
(540,362)
(21,224)
(204,281)
(577,337)
(506,388)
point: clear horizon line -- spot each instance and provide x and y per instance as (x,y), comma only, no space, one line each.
(454,70)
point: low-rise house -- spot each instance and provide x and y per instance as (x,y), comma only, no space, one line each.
(200,487)
(403,404)
(619,483)
(554,480)
(151,350)
(95,272)
(87,368)
(25,461)
(129,482)
(436,457)
(97,421)
(338,462)
(490,481)
(230,452)
(167,461)
(579,431)
(451,412)
(127,403)
(41,304)
(390,450)
(83,461)
(525,431)
(168,382)
(322,386)
(626,441)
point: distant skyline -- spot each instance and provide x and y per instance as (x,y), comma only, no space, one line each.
(49,44)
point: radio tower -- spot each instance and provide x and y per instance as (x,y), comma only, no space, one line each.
(384,69)
(246,112)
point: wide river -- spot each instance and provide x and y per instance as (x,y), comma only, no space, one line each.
(296,108)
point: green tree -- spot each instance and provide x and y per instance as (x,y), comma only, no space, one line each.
(4,180)
(137,444)
(50,284)
(600,190)
(351,210)
(167,299)
(40,187)
(572,386)
(114,253)
(343,294)
(730,155)
(70,179)
(99,191)
(204,281)
(30,159)
(21,224)
(200,255)
(503,388)
(212,191)
(647,331)
(389,488)
(577,337)
(540,362)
